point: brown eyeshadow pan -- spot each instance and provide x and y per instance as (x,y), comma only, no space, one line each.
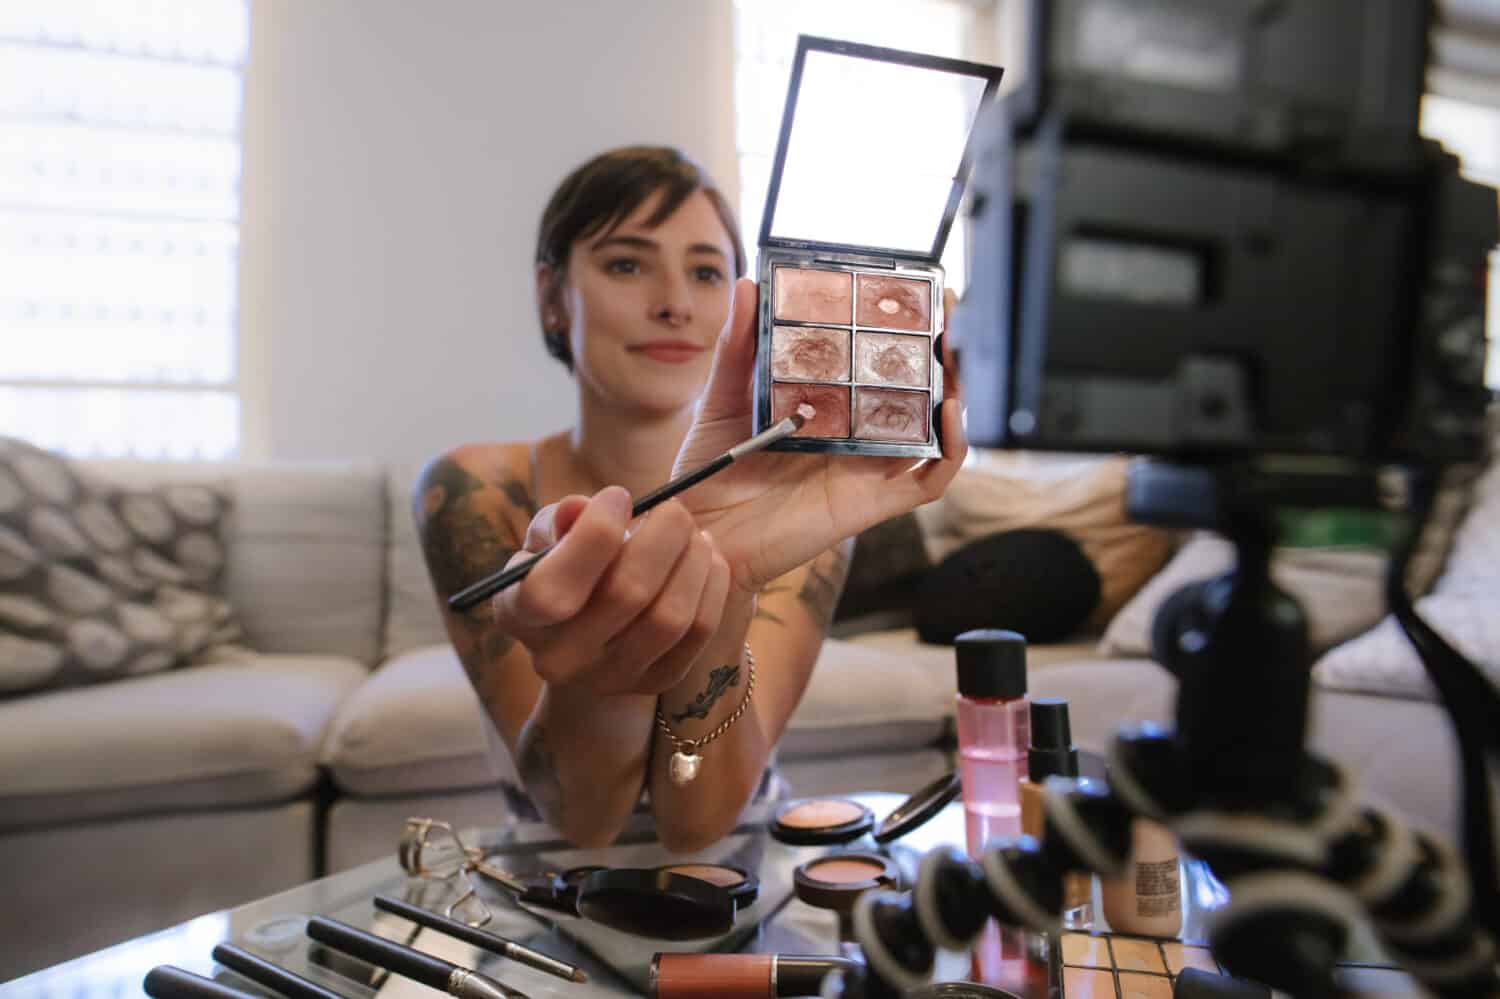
(831,402)
(892,359)
(1181,956)
(810,353)
(810,295)
(897,303)
(1137,986)
(890,415)
(1137,955)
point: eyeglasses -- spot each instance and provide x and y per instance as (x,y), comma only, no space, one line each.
(432,850)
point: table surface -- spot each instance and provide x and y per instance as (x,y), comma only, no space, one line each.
(778,922)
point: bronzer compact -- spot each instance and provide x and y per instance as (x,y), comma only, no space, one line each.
(851,291)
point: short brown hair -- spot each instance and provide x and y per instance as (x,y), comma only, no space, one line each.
(603,192)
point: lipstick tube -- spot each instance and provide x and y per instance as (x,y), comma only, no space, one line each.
(739,976)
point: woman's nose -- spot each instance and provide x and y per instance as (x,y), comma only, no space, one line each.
(674,304)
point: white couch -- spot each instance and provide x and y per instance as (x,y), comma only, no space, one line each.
(129,806)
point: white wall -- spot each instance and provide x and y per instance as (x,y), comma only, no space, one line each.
(397,157)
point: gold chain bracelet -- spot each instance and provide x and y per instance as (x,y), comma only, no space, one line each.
(687,753)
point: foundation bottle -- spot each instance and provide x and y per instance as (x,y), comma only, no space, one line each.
(1147,898)
(1052,754)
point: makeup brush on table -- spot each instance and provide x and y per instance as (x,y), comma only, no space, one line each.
(433,972)
(470,596)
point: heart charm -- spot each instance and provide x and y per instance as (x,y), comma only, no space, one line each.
(683,767)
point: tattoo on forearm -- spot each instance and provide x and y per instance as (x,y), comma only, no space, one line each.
(538,772)
(824,583)
(720,679)
(762,613)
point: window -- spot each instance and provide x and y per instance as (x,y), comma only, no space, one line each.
(119,224)
(1472,133)
(765,40)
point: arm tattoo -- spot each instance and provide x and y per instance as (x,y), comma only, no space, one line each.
(825,581)
(460,541)
(538,773)
(760,607)
(720,679)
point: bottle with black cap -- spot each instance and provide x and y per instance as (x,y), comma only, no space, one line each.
(994,729)
(1052,754)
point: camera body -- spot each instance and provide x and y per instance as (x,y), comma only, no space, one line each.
(1211,229)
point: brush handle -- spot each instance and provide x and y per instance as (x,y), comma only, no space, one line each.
(272,976)
(468,597)
(483,939)
(168,982)
(425,969)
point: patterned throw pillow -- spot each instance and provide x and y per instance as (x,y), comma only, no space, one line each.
(99,582)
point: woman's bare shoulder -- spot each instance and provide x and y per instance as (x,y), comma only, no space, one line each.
(490,474)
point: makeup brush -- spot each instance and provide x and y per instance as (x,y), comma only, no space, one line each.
(167,981)
(471,595)
(433,972)
(492,942)
(271,976)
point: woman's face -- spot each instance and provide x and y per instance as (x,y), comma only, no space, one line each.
(645,306)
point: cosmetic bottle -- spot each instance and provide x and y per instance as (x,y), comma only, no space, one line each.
(994,724)
(1147,898)
(1052,754)
(994,728)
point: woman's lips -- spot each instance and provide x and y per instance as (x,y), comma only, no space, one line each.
(669,351)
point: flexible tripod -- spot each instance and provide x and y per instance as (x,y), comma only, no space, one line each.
(1279,826)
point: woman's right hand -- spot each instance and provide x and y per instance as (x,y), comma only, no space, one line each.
(609,611)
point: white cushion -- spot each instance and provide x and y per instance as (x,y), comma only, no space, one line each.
(209,736)
(412,619)
(414,726)
(1464,607)
(1340,589)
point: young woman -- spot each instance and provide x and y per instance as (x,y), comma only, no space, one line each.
(705,616)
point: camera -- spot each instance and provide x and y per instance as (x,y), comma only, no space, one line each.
(1209,228)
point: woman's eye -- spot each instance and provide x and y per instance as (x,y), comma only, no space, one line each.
(708,274)
(623,265)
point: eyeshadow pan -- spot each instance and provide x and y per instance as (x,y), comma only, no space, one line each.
(1080,948)
(831,402)
(808,295)
(1137,986)
(1137,955)
(892,358)
(724,877)
(820,812)
(1086,983)
(843,871)
(896,303)
(1181,956)
(810,353)
(889,415)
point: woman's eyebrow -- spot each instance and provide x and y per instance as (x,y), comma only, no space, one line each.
(635,242)
(643,243)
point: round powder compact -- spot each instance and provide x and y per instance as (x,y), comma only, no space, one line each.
(742,886)
(822,822)
(836,882)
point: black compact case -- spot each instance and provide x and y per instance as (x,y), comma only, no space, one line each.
(851,290)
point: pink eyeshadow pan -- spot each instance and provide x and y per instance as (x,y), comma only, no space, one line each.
(831,402)
(894,303)
(810,353)
(890,415)
(892,359)
(806,295)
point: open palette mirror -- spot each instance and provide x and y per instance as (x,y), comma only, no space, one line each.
(851,291)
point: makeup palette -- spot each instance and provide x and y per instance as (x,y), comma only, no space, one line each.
(851,291)
(1114,966)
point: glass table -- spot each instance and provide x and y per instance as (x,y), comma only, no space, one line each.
(273,927)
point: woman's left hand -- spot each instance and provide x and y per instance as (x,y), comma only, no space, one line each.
(773,511)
